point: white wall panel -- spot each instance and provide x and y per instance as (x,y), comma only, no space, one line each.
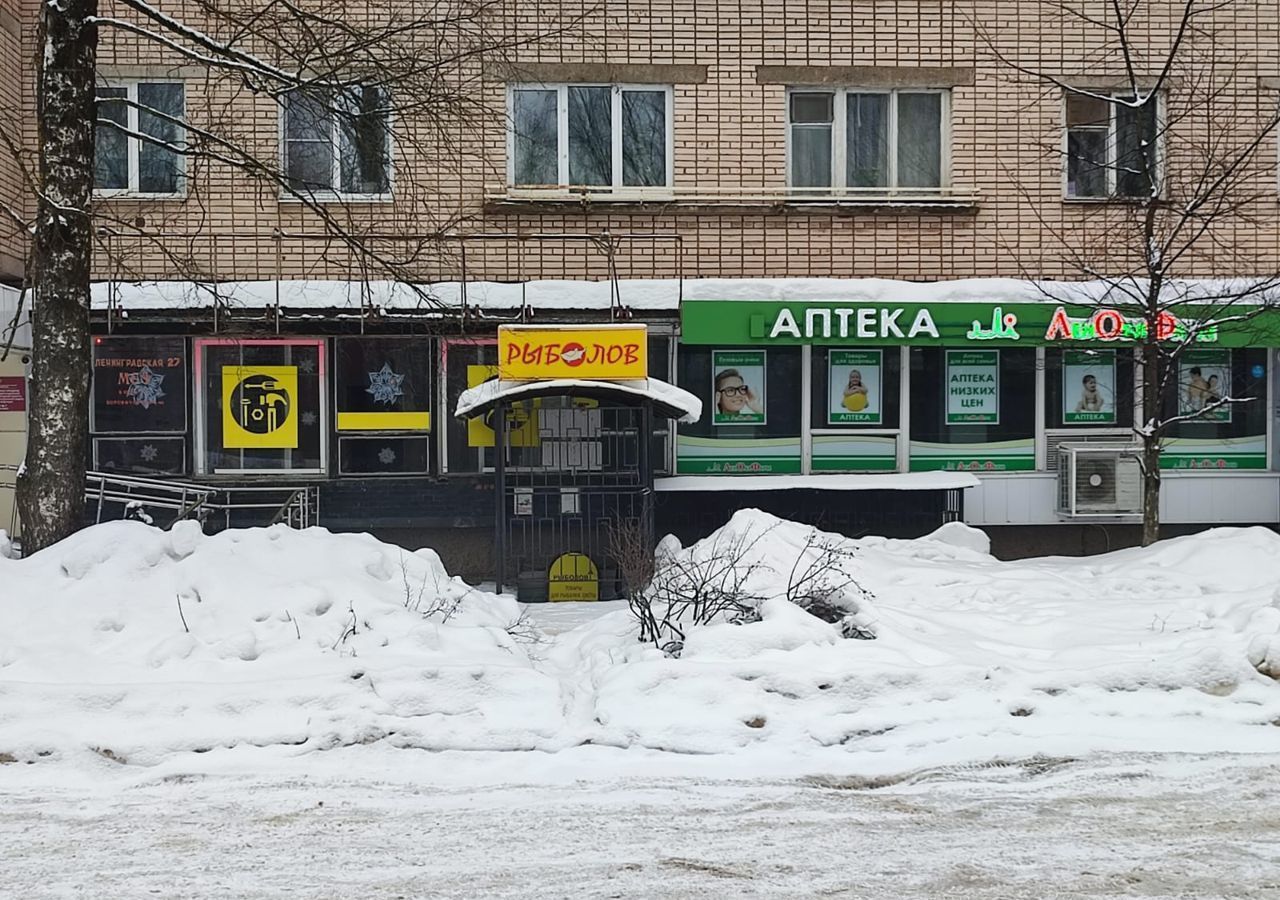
(1216,498)
(1027,498)
(1220,498)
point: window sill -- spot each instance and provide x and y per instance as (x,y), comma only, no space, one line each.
(138,197)
(330,197)
(1111,199)
(733,201)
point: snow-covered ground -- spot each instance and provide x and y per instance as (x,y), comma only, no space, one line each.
(374,824)
(275,713)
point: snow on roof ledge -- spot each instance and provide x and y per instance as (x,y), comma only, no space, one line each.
(909,481)
(668,400)
(653,294)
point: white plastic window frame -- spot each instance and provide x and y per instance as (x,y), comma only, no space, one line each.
(335,195)
(840,145)
(1110,195)
(616,185)
(132,143)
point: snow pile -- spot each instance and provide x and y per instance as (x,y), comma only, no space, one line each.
(1170,648)
(140,643)
(647,294)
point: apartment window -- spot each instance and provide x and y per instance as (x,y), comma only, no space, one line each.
(614,136)
(867,142)
(338,141)
(1112,146)
(139,138)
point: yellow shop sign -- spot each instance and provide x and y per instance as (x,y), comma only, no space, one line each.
(573,576)
(260,407)
(601,352)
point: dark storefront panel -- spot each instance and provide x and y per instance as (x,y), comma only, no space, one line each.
(384,455)
(139,385)
(140,455)
(383,384)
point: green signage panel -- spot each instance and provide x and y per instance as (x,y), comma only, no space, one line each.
(837,323)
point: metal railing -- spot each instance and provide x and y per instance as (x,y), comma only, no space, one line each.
(294,505)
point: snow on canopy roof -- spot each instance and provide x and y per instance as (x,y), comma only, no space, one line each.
(636,293)
(669,400)
(907,481)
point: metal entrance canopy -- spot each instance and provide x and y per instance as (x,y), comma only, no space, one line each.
(668,400)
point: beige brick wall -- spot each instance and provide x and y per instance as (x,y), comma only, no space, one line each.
(730,135)
(16,17)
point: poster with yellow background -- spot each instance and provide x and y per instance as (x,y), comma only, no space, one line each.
(523,416)
(260,407)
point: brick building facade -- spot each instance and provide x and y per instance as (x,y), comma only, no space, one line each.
(729,69)
(667,152)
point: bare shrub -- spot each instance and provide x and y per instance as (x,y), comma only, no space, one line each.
(688,589)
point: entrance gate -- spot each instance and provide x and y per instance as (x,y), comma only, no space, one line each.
(574,487)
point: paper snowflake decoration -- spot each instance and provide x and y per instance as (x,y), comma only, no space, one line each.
(306,365)
(384,385)
(144,387)
(308,419)
(148,452)
(386,456)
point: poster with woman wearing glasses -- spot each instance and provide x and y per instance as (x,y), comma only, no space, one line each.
(737,387)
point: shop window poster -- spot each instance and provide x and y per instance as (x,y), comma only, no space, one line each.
(260,407)
(853,385)
(1088,387)
(973,387)
(139,385)
(738,387)
(1204,381)
(383,384)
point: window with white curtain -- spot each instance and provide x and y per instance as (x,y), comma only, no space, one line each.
(588,135)
(338,142)
(866,142)
(139,139)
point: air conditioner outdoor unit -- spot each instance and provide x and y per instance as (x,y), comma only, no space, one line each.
(1099,480)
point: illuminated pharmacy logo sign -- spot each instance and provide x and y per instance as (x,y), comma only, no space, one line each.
(1004,327)
(1112,325)
(959,323)
(385,385)
(259,406)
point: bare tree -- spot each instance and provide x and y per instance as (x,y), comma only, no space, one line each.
(400,79)
(1164,128)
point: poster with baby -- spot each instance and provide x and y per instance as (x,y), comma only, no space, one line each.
(1089,387)
(853,387)
(1204,382)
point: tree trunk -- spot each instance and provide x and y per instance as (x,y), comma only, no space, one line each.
(1151,437)
(51,486)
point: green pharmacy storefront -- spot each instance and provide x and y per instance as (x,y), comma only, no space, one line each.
(814,387)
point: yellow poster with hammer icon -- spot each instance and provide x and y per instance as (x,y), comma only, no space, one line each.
(260,407)
(523,416)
